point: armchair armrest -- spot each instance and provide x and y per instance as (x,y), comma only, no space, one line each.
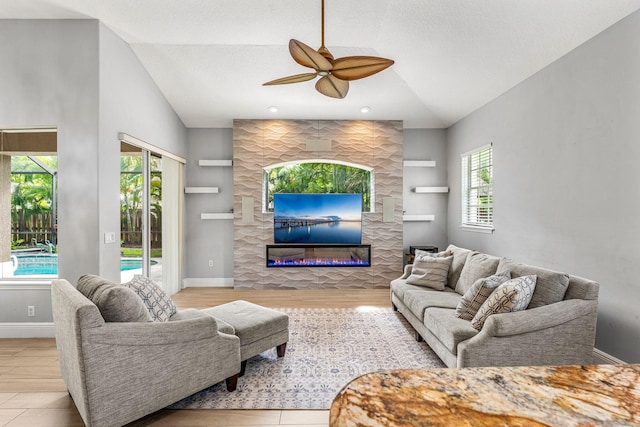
(535,319)
(155,333)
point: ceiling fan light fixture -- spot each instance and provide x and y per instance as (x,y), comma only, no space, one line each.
(365,109)
(335,74)
(272,109)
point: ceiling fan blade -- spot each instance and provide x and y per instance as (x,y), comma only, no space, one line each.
(358,67)
(291,79)
(332,86)
(304,55)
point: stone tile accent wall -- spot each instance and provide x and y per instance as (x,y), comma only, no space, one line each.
(261,143)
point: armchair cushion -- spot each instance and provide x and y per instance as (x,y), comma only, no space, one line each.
(160,305)
(116,303)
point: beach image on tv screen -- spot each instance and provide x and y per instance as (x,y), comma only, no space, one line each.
(317,218)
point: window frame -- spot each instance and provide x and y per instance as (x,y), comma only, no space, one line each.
(472,163)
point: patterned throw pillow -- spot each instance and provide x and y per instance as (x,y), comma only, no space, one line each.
(513,295)
(430,272)
(478,293)
(159,304)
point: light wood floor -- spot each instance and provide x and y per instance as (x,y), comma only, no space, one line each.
(32,393)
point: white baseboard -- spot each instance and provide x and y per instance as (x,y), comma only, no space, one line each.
(602,358)
(27,330)
(214,282)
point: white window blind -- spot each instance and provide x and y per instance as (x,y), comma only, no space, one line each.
(477,188)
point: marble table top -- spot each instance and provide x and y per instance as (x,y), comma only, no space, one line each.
(528,396)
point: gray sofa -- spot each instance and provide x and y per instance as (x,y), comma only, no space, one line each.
(123,369)
(556,328)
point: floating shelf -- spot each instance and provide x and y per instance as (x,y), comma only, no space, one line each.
(431,189)
(419,217)
(420,163)
(215,162)
(216,215)
(201,190)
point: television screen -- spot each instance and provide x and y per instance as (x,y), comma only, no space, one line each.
(317,218)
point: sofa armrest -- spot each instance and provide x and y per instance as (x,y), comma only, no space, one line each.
(407,271)
(534,319)
(557,334)
(155,333)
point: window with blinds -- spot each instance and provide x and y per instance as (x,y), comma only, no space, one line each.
(477,188)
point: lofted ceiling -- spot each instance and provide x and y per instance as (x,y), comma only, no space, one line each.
(210,57)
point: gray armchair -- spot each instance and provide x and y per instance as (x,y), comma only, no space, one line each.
(117,372)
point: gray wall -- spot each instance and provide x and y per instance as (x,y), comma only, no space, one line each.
(566,150)
(208,239)
(425,144)
(78,76)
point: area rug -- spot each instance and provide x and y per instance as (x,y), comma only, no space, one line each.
(327,348)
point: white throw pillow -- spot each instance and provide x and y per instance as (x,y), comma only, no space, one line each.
(160,305)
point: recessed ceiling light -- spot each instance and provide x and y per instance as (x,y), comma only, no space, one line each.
(365,109)
(273,109)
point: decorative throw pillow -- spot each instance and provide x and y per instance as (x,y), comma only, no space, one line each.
(477,266)
(513,295)
(419,253)
(478,293)
(430,272)
(116,303)
(159,304)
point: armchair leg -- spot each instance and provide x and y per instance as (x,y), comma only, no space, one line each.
(232,382)
(281,349)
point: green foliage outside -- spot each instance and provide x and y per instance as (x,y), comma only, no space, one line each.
(319,178)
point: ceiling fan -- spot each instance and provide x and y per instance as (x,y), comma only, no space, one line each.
(335,73)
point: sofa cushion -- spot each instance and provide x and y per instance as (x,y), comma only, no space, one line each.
(115,302)
(512,295)
(476,266)
(551,286)
(158,303)
(459,258)
(400,286)
(419,300)
(478,293)
(430,272)
(449,329)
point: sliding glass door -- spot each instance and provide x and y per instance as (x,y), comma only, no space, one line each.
(151,203)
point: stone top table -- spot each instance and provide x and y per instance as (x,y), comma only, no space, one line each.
(527,396)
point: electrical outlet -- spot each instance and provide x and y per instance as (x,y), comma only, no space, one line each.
(210,263)
(31,310)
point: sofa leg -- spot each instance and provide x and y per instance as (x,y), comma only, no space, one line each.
(394,307)
(232,382)
(418,336)
(243,367)
(281,349)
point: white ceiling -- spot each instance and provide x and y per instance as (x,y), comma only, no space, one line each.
(210,57)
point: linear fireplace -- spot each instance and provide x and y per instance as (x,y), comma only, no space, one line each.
(300,255)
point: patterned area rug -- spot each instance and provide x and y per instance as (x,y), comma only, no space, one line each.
(327,348)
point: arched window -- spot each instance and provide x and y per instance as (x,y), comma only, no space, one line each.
(318,176)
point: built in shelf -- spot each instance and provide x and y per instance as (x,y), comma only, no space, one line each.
(431,189)
(419,217)
(216,215)
(201,190)
(215,162)
(420,163)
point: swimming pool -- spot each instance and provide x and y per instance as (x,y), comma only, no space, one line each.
(32,265)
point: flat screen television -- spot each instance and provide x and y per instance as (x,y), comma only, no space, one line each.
(317,218)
